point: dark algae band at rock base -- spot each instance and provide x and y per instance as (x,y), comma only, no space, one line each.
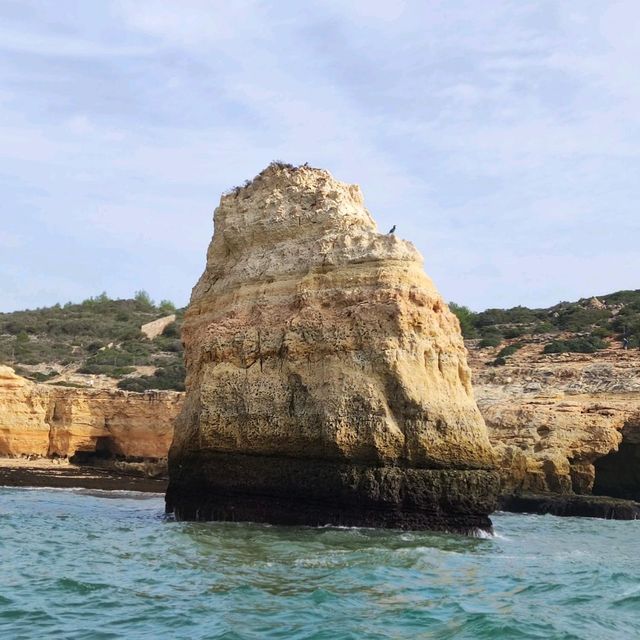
(327,380)
(319,492)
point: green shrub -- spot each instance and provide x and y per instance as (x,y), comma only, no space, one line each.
(139,385)
(490,341)
(515,315)
(579,319)
(144,300)
(626,297)
(136,348)
(165,378)
(43,377)
(543,327)
(168,344)
(120,372)
(112,371)
(509,350)
(490,330)
(627,322)
(556,346)
(466,317)
(131,334)
(589,344)
(94,347)
(166,307)
(498,362)
(171,331)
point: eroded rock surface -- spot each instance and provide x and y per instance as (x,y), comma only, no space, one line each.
(556,419)
(47,421)
(327,379)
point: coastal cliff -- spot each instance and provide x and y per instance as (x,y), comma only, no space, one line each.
(53,421)
(327,380)
(564,423)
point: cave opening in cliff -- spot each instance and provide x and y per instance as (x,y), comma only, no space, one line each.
(105,449)
(618,473)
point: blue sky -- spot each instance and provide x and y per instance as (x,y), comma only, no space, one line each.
(502,137)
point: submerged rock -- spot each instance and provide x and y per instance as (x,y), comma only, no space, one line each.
(327,380)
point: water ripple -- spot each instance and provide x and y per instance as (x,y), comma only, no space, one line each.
(96,565)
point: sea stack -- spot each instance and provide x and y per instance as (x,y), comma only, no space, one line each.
(327,380)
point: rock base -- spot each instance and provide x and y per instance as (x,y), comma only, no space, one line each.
(572,505)
(278,490)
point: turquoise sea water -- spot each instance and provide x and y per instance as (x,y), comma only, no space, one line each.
(96,565)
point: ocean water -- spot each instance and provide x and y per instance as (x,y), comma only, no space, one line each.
(96,565)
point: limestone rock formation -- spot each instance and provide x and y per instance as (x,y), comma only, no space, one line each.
(563,423)
(327,380)
(43,420)
(23,428)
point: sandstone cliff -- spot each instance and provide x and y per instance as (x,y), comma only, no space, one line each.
(326,378)
(567,423)
(43,420)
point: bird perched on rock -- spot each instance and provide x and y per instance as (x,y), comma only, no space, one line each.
(392,229)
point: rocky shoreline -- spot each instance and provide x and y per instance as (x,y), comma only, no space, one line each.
(571,506)
(565,424)
(48,421)
(63,475)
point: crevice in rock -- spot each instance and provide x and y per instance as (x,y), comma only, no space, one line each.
(53,419)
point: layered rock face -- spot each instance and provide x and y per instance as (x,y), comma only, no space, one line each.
(563,423)
(43,420)
(23,428)
(327,380)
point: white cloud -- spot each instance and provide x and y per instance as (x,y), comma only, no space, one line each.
(80,125)
(10,240)
(44,44)
(487,133)
(193,24)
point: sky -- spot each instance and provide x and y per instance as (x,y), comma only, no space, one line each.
(502,137)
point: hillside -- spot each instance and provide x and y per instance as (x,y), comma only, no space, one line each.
(566,422)
(560,393)
(99,342)
(586,326)
(96,343)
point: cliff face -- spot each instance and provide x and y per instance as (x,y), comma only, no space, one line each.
(567,423)
(326,378)
(43,420)
(23,412)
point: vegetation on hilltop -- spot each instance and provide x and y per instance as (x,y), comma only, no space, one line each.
(101,336)
(98,336)
(584,326)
